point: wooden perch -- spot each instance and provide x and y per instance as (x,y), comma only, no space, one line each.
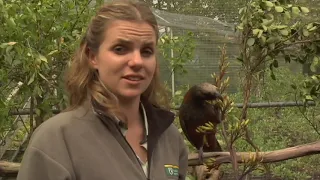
(263,157)
(11,169)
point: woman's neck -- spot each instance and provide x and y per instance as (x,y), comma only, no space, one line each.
(131,110)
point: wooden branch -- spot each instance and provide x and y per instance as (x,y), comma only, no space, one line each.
(203,173)
(26,111)
(11,169)
(263,157)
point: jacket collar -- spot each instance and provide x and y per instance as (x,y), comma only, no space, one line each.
(158,119)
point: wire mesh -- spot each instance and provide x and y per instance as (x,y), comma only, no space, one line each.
(211,33)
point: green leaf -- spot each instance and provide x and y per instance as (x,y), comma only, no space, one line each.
(162,40)
(308,97)
(11,22)
(269,8)
(8,49)
(304,10)
(267,22)
(309,26)
(16,62)
(241,10)
(55,51)
(5,45)
(263,40)
(260,33)
(281,26)
(287,15)
(279,9)
(42,76)
(284,32)
(315,79)
(240,27)
(250,41)
(31,79)
(255,32)
(270,16)
(295,10)
(269,4)
(42,58)
(272,39)
(313,28)
(264,28)
(264,51)
(305,32)
(293,86)
(315,64)
(271,46)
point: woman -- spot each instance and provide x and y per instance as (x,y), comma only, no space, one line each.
(115,127)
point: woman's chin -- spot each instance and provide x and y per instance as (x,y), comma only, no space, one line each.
(130,94)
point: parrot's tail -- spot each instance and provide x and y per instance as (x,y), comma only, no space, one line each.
(212,144)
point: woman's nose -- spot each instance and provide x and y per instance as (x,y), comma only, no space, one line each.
(136,60)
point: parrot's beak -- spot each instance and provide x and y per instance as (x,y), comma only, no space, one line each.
(219,96)
(216,100)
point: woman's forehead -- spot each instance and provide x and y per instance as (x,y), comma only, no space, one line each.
(128,31)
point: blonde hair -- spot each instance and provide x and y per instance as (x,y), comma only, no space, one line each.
(82,81)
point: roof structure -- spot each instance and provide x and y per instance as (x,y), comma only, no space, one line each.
(190,22)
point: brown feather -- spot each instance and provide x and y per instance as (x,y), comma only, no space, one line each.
(196,111)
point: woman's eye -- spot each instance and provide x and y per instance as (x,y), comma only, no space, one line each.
(119,50)
(147,52)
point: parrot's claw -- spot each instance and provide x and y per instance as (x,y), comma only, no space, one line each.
(200,155)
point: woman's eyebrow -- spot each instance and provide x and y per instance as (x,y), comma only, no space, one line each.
(130,42)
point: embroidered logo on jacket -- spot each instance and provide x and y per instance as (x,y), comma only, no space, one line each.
(171,170)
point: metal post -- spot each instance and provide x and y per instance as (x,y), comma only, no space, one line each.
(172,70)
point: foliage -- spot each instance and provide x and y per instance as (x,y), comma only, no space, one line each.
(272,31)
(42,38)
(177,51)
(269,31)
(43,35)
(273,128)
(223,9)
(278,128)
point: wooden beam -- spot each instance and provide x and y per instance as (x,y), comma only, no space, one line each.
(263,157)
(10,169)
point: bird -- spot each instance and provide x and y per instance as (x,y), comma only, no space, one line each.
(195,110)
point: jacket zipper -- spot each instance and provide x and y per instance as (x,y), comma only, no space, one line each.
(147,178)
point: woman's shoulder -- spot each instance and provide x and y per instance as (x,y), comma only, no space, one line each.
(56,126)
(174,131)
(66,117)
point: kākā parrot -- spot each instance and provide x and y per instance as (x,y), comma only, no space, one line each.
(196,110)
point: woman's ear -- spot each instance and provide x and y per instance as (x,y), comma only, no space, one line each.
(92,59)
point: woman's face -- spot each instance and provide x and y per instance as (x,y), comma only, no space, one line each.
(126,59)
